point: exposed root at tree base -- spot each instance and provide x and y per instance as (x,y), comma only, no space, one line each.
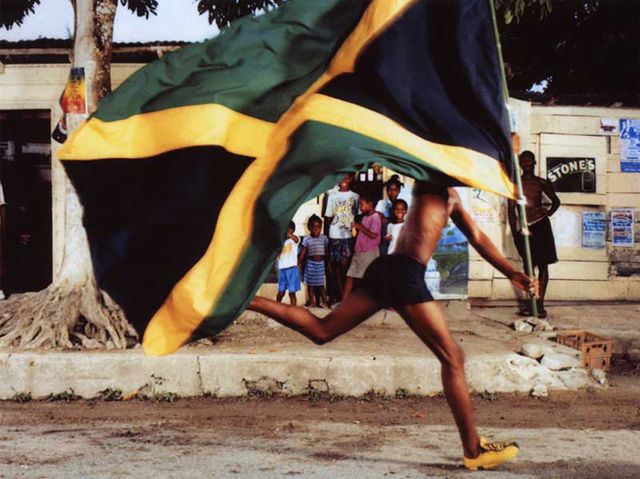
(64,316)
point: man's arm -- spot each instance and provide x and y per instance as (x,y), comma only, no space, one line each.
(548,190)
(483,245)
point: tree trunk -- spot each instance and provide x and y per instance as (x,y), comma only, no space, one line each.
(73,311)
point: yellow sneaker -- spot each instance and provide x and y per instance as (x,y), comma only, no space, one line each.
(492,454)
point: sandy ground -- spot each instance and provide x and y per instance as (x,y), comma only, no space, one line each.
(588,434)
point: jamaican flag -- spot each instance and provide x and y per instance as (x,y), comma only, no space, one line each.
(190,171)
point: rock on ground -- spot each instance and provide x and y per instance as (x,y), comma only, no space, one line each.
(558,361)
(540,391)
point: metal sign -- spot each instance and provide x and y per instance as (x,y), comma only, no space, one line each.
(572,175)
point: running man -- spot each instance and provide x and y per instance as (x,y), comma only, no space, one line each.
(397,281)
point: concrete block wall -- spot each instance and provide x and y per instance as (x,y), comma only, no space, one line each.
(611,273)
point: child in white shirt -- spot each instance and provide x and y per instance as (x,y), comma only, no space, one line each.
(393,229)
(288,275)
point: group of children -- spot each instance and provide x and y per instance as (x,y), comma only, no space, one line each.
(341,257)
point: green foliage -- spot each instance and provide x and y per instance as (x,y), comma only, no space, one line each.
(582,47)
(142,8)
(223,12)
(315,395)
(110,394)
(402,393)
(21,397)
(165,397)
(511,9)
(488,396)
(12,12)
(66,396)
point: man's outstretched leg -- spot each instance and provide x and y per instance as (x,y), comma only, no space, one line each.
(428,322)
(359,306)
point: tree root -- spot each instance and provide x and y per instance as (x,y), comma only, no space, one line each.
(64,316)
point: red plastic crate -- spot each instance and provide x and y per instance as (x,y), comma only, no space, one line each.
(596,350)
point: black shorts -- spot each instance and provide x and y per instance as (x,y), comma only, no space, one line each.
(396,280)
(543,247)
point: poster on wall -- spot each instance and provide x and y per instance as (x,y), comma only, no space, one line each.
(622,227)
(447,273)
(483,210)
(567,227)
(630,146)
(74,97)
(572,175)
(594,229)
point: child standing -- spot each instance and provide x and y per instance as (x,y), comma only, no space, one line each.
(393,229)
(315,251)
(367,247)
(288,277)
(342,207)
(392,187)
(385,208)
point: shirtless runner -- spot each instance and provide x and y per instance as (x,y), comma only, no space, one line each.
(397,281)
(543,248)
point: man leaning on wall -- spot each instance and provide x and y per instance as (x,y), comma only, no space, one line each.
(543,248)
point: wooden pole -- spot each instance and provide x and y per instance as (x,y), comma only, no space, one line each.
(515,170)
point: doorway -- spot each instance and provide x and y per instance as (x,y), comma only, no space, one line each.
(25,175)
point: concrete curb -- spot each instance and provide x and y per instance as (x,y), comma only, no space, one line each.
(195,373)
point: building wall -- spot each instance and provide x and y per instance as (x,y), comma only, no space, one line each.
(24,87)
(611,273)
(582,273)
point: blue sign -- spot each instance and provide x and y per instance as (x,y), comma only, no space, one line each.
(594,229)
(630,146)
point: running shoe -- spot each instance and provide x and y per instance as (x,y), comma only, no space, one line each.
(492,454)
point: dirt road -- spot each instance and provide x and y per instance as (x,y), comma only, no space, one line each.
(570,435)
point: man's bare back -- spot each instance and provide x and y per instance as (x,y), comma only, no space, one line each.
(432,206)
(426,219)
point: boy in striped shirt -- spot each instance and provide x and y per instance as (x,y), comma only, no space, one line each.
(314,256)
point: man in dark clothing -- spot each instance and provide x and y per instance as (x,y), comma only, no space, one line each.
(543,248)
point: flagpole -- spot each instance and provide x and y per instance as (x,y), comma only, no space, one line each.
(522,200)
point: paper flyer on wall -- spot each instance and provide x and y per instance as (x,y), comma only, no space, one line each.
(630,145)
(74,97)
(594,229)
(622,227)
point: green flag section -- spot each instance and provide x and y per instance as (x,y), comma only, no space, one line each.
(191,170)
